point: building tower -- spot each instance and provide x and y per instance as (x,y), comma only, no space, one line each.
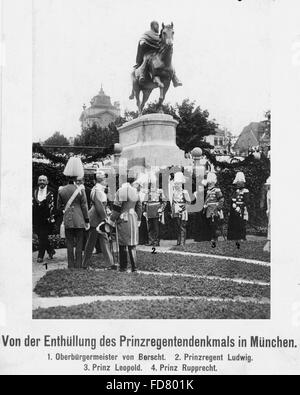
(101,112)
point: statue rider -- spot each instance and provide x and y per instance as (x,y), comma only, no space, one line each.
(150,42)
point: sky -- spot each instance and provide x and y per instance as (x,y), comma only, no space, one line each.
(222,52)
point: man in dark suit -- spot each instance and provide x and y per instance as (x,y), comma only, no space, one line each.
(76,218)
(43,216)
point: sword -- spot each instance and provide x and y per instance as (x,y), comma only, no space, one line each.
(117,245)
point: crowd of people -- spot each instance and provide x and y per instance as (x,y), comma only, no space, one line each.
(135,216)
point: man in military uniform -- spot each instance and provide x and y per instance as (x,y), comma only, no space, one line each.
(238,217)
(213,206)
(154,207)
(179,200)
(72,202)
(150,43)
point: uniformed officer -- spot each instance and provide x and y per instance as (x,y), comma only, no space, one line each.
(179,200)
(73,202)
(238,211)
(154,207)
(213,206)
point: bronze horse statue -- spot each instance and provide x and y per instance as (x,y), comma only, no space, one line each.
(160,71)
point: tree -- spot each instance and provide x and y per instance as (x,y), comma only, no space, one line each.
(99,137)
(57,139)
(193,124)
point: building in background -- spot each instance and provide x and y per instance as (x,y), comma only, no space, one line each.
(254,135)
(101,112)
(221,141)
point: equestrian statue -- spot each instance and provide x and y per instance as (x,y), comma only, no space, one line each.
(154,67)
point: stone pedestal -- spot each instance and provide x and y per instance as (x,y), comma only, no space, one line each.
(150,140)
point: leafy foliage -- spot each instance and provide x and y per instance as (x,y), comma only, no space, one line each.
(57,139)
(193,123)
(101,137)
(193,126)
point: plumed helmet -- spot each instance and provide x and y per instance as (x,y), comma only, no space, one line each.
(179,178)
(74,168)
(240,177)
(212,178)
(152,178)
(268,182)
(142,180)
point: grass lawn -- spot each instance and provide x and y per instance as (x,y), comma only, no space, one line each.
(249,249)
(171,263)
(167,309)
(61,283)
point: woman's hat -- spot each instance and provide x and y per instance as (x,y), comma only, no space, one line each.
(74,168)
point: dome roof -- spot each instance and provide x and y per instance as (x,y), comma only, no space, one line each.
(101,100)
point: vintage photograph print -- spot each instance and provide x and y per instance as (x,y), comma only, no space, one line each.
(151,152)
